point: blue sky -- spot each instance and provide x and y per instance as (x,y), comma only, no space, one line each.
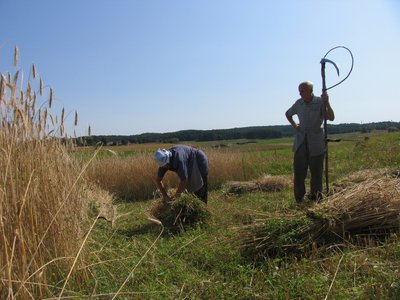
(131,67)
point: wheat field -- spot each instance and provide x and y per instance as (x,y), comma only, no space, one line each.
(41,192)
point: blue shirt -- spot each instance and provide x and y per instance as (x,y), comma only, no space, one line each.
(311,117)
(181,162)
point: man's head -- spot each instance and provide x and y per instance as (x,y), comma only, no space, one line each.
(162,157)
(306,90)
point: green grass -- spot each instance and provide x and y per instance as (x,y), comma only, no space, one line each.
(207,263)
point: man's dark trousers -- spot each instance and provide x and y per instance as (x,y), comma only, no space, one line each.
(303,161)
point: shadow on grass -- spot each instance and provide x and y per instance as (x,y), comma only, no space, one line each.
(141,229)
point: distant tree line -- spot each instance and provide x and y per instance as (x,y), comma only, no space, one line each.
(255,132)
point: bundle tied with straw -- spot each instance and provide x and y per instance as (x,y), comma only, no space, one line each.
(182,213)
(370,209)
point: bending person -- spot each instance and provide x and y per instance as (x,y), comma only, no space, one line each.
(191,166)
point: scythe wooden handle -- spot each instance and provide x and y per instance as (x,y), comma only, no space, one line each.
(325,129)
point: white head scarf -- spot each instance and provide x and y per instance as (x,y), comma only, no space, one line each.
(162,157)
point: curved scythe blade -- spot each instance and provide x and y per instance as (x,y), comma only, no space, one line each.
(325,60)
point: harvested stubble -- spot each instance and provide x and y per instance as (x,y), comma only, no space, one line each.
(370,209)
(267,183)
(183,213)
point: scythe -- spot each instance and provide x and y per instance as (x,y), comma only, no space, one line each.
(323,61)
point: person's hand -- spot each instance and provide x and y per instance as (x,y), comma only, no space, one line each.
(325,97)
(167,199)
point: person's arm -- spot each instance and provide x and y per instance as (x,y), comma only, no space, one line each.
(291,121)
(181,187)
(330,114)
(162,189)
(182,171)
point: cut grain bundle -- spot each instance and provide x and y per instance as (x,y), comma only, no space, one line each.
(267,183)
(368,210)
(277,236)
(371,207)
(240,187)
(183,213)
(358,177)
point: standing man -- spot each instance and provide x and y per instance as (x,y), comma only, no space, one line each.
(309,142)
(191,166)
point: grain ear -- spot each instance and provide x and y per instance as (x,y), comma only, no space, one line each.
(33,71)
(3,86)
(41,87)
(16,56)
(51,97)
(76,118)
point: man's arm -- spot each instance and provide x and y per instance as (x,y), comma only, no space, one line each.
(291,121)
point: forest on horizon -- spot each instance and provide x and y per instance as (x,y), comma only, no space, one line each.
(253,132)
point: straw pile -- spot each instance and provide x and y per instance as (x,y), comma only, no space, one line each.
(358,177)
(267,183)
(183,213)
(370,209)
